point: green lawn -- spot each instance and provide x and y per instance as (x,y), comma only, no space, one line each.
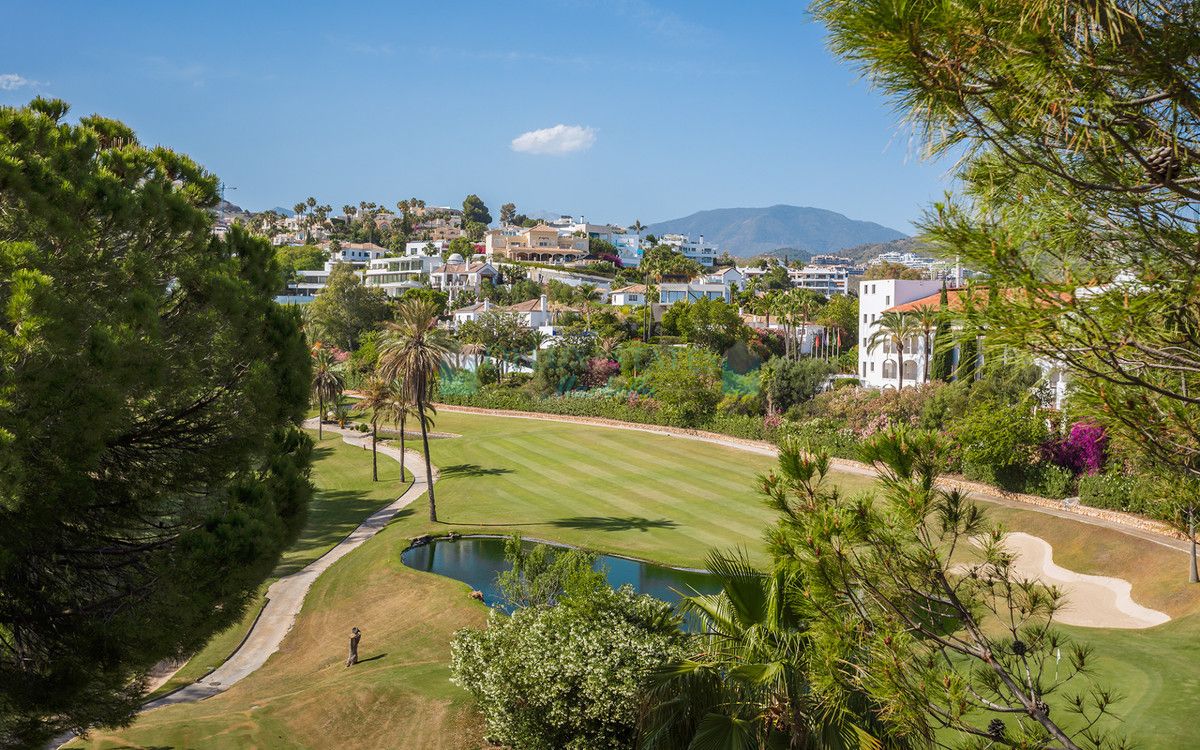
(646,495)
(346,497)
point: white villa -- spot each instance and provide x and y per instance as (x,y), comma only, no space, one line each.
(458,275)
(635,294)
(877,366)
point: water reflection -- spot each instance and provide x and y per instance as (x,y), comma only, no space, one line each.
(477,560)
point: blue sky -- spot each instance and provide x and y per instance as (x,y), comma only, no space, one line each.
(670,107)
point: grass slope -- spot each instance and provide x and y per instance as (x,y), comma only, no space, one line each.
(346,495)
(614,490)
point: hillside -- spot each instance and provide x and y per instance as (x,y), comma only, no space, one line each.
(751,231)
(860,253)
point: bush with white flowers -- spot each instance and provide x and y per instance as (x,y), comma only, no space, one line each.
(567,676)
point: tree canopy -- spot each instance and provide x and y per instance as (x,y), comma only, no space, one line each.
(346,308)
(150,466)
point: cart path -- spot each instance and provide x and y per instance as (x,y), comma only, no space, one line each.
(285,597)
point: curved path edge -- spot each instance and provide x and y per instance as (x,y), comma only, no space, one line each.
(1125,523)
(285,597)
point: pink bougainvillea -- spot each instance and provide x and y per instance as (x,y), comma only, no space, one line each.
(1083,450)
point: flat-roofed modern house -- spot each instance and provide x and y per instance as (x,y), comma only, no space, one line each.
(396,275)
(692,291)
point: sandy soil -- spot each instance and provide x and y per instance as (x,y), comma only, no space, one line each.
(1091,601)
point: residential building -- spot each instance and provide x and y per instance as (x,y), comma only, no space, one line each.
(395,275)
(426,247)
(702,252)
(541,243)
(691,291)
(357,254)
(628,295)
(877,365)
(827,280)
(729,276)
(830,260)
(538,314)
(629,248)
(459,275)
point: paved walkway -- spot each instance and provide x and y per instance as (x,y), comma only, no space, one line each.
(1131,526)
(286,596)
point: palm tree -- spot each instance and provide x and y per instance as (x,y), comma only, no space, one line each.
(746,682)
(412,349)
(327,384)
(927,318)
(895,328)
(807,304)
(638,227)
(399,409)
(376,401)
(586,294)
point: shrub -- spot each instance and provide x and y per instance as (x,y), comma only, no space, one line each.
(457,383)
(839,383)
(1116,491)
(488,373)
(1049,480)
(818,433)
(999,443)
(568,676)
(865,411)
(599,370)
(635,357)
(563,367)
(740,404)
(1082,451)
(688,382)
(788,382)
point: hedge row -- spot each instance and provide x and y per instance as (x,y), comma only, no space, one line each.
(741,426)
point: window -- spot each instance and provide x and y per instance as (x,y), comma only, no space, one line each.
(864,317)
(887,300)
(872,367)
(889,368)
(864,369)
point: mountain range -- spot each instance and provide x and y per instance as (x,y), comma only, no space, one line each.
(795,229)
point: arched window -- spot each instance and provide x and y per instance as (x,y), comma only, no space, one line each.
(910,369)
(889,369)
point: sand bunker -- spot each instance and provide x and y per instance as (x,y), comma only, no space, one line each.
(1091,601)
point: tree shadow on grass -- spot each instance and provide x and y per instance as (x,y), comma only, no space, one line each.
(471,470)
(372,658)
(613,523)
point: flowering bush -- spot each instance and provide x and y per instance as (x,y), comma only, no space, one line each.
(599,370)
(1083,450)
(567,676)
(866,411)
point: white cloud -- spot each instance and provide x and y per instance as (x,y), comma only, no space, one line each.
(12,82)
(556,141)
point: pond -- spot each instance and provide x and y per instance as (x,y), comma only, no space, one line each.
(477,560)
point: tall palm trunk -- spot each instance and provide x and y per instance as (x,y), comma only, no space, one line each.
(374,453)
(899,366)
(403,419)
(926,363)
(428,468)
